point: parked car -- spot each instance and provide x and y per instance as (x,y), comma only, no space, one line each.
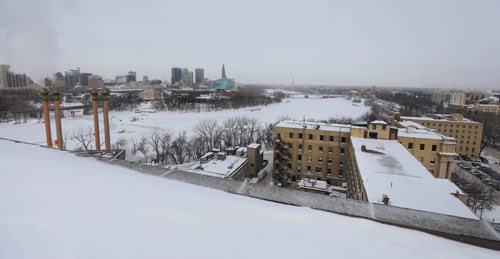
(484,160)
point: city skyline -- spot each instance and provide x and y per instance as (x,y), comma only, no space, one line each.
(414,44)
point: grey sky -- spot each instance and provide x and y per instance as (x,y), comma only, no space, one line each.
(393,43)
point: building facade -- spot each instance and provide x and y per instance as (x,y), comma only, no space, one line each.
(12,80)
(223,83)
(486,108)
(176,75)
(310,150)
(382,172)
(457,98)
(199,74)
(468,134)
(4,73)
(435,151)
(305,150)
(95,81)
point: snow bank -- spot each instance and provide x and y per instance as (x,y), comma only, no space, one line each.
(81,208)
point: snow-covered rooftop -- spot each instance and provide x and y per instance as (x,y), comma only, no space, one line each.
(389,169)
(83,208)
(253,145)
(438,117)
(412,124)
(220,168)
(425,133)
(314,125)
(378,122)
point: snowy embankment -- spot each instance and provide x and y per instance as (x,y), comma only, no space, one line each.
(132,125)
(56,205)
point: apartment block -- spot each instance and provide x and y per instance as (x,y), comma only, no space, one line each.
(405,165)
(310,150)
(487,108)
(434,150)
(467,133)
(383,172)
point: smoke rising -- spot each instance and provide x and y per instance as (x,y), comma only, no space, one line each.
(28,38)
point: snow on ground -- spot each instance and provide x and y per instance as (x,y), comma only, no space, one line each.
(122,126)
(61,206)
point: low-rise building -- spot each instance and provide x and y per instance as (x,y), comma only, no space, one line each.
(377,162)
(383,172)
(150,95)
(95,81)
(310,150)
(434,150)
(467,133)
(487,108)
(235,163)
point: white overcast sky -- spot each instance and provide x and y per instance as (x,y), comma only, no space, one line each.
(419,43)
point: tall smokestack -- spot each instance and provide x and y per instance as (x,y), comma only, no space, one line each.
(96,119)
(57,111)
(46,116)
(105,112)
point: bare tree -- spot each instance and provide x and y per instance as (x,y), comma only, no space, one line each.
(121,143)
(159,141)
(253,126)
(481,197)
(267,135)
(179,153)
(229,136)
(210,132)
(197,147)
(84,136)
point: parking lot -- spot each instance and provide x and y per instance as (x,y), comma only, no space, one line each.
(482,169)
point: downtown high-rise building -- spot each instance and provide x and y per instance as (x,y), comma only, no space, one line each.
(72,77)
(11,80)
(4,73)
(184,72)
(199,74)
(176,75)
(131,76)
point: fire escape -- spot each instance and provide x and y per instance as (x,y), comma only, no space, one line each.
(281,172)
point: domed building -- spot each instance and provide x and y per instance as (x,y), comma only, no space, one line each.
(223,83)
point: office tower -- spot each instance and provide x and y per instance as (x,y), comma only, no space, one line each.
(199,74)
(131,76)
(176,75)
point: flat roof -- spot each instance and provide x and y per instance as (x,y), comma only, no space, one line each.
(411,124)
(440,118)
(424,133)
(254,145)
(378,122)
(389,169)
(314,125)
(220,168)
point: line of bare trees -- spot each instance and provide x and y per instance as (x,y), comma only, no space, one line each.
(162,147)
(480,196)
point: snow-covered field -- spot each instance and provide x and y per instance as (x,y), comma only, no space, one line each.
(123,126)
(56,205)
